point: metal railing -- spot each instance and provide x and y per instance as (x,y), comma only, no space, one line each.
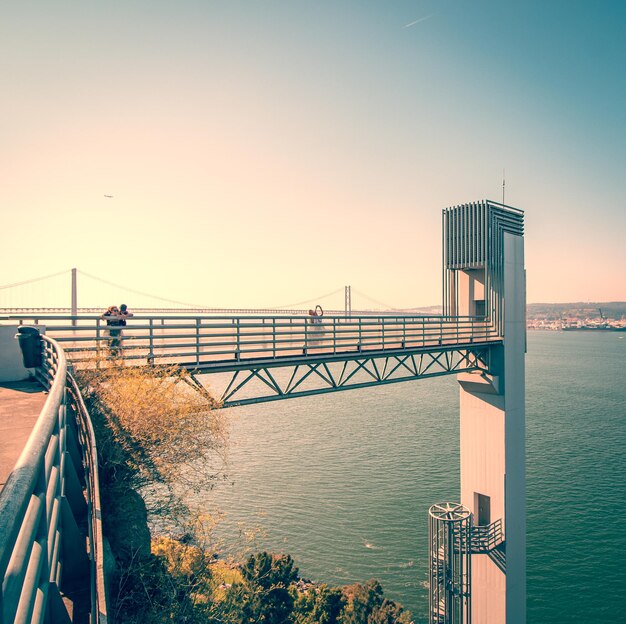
(204,340)
(487,537)
(42,505)
(95,541)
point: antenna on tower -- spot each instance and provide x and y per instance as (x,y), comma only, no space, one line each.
(503,184)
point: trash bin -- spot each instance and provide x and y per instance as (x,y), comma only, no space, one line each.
(30,343)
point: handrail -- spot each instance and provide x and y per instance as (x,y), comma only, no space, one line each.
(487,537)
(24,504)
(45,316)
(212,340)
(40,543)
(87,438)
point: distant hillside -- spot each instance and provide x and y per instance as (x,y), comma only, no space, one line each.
(429,310)
(579,310)
(554,311)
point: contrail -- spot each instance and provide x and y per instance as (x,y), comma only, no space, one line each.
(417,21)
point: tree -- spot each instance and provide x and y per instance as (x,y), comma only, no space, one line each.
(266,570)
(367,605)
(389,612)
(264,595)
(318,605)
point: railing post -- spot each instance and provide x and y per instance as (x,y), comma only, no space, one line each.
(151,342)
(335,334)
(98,348)
(306,337)
(238,338)
(274,336)
(383,330)
(197,340)
(360,345)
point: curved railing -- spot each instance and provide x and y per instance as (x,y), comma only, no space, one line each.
(87,443)
(44,555)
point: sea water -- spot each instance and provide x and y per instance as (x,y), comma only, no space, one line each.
(343,481)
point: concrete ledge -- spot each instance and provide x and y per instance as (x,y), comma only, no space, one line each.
(479,383)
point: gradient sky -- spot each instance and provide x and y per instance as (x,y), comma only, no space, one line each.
(265,152)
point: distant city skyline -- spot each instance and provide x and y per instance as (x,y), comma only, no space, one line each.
(242,154)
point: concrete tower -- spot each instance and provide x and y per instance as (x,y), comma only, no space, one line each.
(484,275)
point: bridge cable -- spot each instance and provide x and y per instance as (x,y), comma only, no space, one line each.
(293,305)
(380,303)
(36,279)
(143,294)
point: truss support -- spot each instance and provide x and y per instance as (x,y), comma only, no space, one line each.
(272,380)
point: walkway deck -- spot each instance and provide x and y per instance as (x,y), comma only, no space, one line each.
(20,405)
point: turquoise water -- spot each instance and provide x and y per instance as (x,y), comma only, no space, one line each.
(343,482)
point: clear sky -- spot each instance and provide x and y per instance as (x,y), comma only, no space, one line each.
(265,152)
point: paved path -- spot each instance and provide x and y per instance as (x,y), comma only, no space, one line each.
(20,406)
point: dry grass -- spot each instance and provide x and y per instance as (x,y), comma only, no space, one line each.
(158,437)
(169,432)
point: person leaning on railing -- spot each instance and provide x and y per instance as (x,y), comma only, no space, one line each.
(315,316)
(116,318)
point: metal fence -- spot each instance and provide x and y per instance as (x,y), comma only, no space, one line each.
(50,537)
(486,538)
(216,339)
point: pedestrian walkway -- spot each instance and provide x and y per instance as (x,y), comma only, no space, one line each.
(21,403)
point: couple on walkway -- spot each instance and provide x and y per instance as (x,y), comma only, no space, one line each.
(116,318)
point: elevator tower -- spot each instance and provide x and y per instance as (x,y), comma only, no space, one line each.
(484,276)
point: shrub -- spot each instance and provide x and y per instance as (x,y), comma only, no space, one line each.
(157,436)
(165,430)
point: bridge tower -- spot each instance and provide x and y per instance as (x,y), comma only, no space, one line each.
(484,275)
(74,302)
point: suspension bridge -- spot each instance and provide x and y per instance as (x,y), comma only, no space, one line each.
(45,295)
(477,547)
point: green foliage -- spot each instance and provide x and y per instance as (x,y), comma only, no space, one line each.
(271,593)
(266,570)
(318,605)
(366,604)
(264,594)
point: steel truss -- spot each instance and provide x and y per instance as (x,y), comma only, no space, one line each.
(311,376)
